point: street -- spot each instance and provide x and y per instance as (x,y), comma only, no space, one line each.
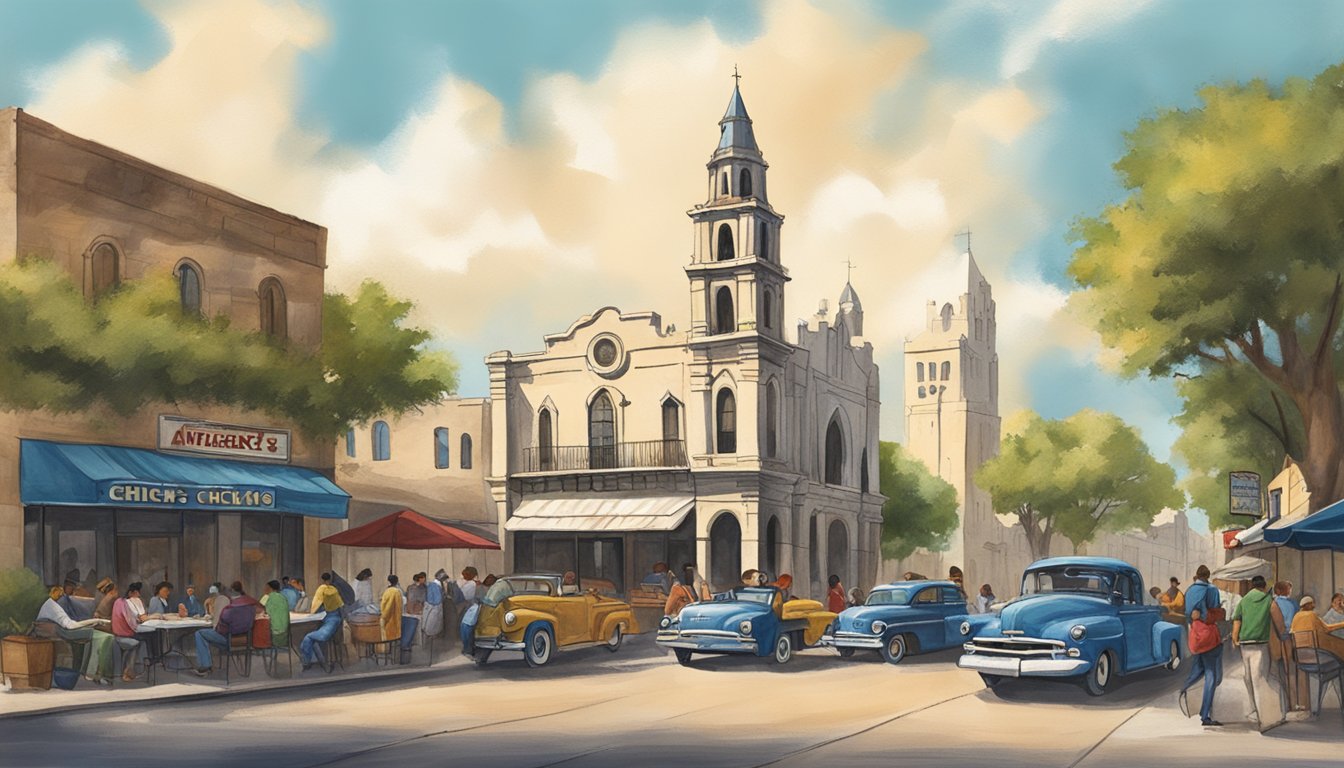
(638,707)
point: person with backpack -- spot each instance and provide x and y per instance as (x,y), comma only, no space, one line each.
(1203,610)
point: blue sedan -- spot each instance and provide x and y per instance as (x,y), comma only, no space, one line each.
(906,617)
(748,620)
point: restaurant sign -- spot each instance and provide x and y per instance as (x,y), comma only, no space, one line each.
(211,438)
(1244,494)
(171,495)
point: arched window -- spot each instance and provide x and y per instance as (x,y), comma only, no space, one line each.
(763,242)
(835,453)
(274,315)
(744,183)
(441,448)
(919,372)
(465,450)
(863,471)
(189,288)
(723,184)
(767,308)
(725,250)
(382,441)
(545,441)
(601,432)
(725,550)
(725,321)
(837,550)
(771,420)
(947,371)
(671,451)
(106,268)
(725,422)
(350,443)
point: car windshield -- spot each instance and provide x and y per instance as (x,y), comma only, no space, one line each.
(1068,578)
(888,597)
(498,593)
(764,596)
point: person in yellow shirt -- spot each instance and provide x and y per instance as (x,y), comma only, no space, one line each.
(1306,620)
(326,599)
(1173,602)
(390,608)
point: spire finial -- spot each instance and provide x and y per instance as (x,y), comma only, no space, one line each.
(737,79)
(966,233)
(850,266)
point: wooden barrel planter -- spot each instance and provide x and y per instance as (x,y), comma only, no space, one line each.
(28,662)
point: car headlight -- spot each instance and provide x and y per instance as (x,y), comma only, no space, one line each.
(965,628)
(1078,632)
(510,618)
(665,622)
(879,627)
(744,628)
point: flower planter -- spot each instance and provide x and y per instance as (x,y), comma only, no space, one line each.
(28,662)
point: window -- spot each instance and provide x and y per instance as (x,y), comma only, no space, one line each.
(671,420)
(744,183)
(763,242)
(382,441)
(723,184)
(767,308)
(863,471)
(725,412)
(1275,504)
(725,249)
(929,595)
(725,320)
(771,420)
(106,263)
(921,391)
(947,371)
(441,448)
(952,595)
(465,450)
(350,443)
(601,432)
(919,373)
(189,288)
(545,447)
(274,316)
(835,452)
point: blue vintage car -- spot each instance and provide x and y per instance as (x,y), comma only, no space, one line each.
(752,620)
(1081,618)
(906,617)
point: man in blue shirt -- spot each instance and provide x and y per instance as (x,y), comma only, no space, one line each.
(291,594)
(1200,598)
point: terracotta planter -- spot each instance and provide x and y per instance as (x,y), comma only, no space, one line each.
(28,661)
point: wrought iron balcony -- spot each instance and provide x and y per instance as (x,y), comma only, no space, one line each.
(566,458)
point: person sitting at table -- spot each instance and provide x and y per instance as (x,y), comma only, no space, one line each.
(328,599)
(305,603)
(363,587)
(277,607)
(215,601)
(125,626)
(236,618)
(75,605)
(1306,620)
(191,606)
(159,602)
(108,589)
(87,646)
(389,607)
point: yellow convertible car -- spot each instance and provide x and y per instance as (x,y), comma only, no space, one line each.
(539,614)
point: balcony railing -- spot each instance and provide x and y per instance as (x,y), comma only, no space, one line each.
(647,454)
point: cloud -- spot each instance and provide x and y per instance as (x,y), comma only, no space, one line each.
(1066,20)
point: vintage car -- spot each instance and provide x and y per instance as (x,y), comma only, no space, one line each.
(1080,618)
(538,615)
(905,617)
(753,620)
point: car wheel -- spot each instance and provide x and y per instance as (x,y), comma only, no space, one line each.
(991,681)
(683,656)
(1174,656)
(1099,677)
(615,639)
(783,648)
(480,657)
(538,645)
(845,653)
(893,650)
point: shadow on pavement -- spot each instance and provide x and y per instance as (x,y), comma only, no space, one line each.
(1129,691)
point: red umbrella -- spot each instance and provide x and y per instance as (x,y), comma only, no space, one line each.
(409,529)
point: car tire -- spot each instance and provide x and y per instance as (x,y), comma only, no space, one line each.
(845,653)
(615,639)
(538,645)
(683,656)
(1174,656)
(893,649)
(480,656)
(991,681)
(1099,677)
(783,650)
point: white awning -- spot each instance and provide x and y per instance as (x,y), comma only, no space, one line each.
(1253,535)
(1244,567)
(600,513)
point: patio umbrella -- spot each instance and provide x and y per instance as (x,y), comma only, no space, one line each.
(1323,529)
(408,529)
(1243,568)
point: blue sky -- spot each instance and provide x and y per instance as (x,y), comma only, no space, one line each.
(358,91)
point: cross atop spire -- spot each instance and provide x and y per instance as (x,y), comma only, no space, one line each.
(849,270)
(737,79)
(966,233)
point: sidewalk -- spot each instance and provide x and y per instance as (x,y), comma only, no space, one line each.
(184,686)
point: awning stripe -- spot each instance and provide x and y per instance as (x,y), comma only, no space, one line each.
(600,513)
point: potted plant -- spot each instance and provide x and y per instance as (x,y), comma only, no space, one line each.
(25,661)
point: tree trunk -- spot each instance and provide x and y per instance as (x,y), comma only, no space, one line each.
(1323,460)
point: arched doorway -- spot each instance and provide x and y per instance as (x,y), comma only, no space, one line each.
(837,552)
(835,453)
(725,551)
(770,548)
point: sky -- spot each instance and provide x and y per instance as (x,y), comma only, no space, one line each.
(513,165)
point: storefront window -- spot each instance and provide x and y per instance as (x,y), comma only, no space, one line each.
(602,565)
(199,544)
(553,555)
(261,551)
(78,543)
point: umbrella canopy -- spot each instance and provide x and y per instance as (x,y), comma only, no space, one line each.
(1323,529)
(1243,568)
(409,529)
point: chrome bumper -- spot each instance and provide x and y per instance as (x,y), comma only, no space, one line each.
(1012,666)
(852,640)
(498,644)
(707,641)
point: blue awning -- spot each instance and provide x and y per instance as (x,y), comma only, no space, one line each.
(1323,529)
(68,474)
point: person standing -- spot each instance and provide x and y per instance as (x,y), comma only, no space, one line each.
(1173,601)
(389,608)
(1200,601)
(985,599)
(450,600)
(327,599)
(363,587)
(955,576)
(682,595)
(1251,632)
(835,595)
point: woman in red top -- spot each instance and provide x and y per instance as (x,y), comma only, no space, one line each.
(835,597)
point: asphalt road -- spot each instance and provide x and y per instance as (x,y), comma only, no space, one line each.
(639,708)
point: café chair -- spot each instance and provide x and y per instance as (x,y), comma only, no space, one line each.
(239,651)
(1320,664)
(270,656)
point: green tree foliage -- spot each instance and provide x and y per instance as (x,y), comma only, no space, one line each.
(1227,252)
(134,346)
(921,508)
(21,596)
(1077,477)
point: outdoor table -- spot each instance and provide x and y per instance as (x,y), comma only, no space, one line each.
(163,629)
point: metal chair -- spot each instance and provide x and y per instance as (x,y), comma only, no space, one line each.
(270,657)
(1320,664)
(240,645)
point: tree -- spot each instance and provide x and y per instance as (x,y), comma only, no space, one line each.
(135,346)
(1227,252)
(1076,477)
(921,508)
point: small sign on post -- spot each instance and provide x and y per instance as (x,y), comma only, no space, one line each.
(1244,494)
